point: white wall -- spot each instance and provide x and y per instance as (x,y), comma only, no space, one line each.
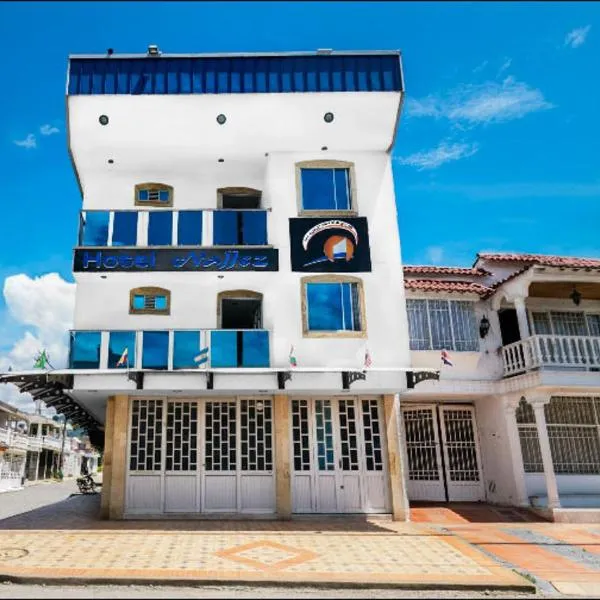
(104,303)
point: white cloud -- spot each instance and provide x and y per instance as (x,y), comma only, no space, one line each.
(480,67)
(436,157)
(481,104)
(505,65)
(28,142)
(45,305)
(49,129)
(434,254)
(577,37)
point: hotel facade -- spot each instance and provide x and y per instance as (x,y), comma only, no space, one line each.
(246,339)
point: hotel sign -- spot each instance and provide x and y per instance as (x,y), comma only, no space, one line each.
(330,245)
(93,260)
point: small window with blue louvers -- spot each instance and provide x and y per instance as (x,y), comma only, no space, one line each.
(149,301)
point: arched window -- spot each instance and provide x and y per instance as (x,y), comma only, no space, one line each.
(333,306)
(149,301)
(239,309)
(153,194)
(326,188)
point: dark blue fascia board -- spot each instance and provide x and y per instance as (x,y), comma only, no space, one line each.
(235,73)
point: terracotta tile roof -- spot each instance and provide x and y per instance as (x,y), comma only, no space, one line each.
(435,270)
(461,287)
(542,260)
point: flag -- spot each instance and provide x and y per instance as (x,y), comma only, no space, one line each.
(41,360)
(124,358)
(446,359)
(293,361)
(202,358)
(368,361)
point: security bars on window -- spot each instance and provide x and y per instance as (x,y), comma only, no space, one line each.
(220,428)
(146,435)
(460,445)
(182,436)
(256,425)
(421,447)
(372,434)
(573,425)
(300,435)
(442,325)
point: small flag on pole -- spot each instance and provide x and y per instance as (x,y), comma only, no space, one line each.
(293,361)
(202,358)
(124,360)
(41,360)
(446,359)
(368,361)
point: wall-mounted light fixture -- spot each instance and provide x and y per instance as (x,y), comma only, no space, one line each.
(153,50)
(484,327)
(103,119)
(575,296)
(328,117)
(221,119)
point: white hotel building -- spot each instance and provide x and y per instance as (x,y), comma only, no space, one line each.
(239,215)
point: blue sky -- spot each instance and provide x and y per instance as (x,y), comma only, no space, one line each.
(498,143)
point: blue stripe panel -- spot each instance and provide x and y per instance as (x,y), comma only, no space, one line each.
(235,75)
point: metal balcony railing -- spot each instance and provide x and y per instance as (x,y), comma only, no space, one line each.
(552,351)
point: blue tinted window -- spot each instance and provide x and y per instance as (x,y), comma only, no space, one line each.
(125,229)
(85,350)
(186,346)
(254,227)
(189,228)
(143,195)
(95,228)
(223,349)
(255,348)
(325,189)
(163,196)
(333,307)
(138,302)
(160,302)
(160,228)
(118,342)
(225,228)
(155,350)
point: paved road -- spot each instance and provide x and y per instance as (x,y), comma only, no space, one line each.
(234,591)
(34,497)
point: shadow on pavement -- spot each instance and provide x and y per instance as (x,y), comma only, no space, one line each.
(82,512)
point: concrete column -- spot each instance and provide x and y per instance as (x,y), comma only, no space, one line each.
(391,409)
(120,426)
(522,317)
(283,481)
(37,465)
(516,453)
(107,464)
(542,429)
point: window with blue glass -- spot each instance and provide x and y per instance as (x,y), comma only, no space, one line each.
(326,189)
(186,347)
(231,349)
(160,228)
(153,194)
(94,228)
(84,350)
(155,349)
(149,300)
(189,228)
(239,228)
(121,349)
(125,228)
(333,307)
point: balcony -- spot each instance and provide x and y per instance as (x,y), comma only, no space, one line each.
(170,350)
(51,443)
(35,444)
(552,352)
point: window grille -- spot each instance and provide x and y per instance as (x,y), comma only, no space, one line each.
(182,436)
(421,447)
(572,323)
(460,444)
(372,435)
(348,435)
(300,435)
(220,431)
(442,325)
(146,435)
(324,435)
(256,435)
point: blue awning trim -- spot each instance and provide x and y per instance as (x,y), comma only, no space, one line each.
(235,75)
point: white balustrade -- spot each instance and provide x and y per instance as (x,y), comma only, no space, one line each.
(564,351)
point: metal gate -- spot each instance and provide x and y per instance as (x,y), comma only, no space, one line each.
(338,456)
(190,456)
(442,453)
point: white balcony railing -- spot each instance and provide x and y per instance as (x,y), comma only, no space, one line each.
(558,351)
(35,444)
(4,435)
(51,443)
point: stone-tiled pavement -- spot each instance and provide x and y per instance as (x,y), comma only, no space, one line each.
(466,546)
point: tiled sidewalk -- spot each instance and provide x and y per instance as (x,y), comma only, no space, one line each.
(399,554)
